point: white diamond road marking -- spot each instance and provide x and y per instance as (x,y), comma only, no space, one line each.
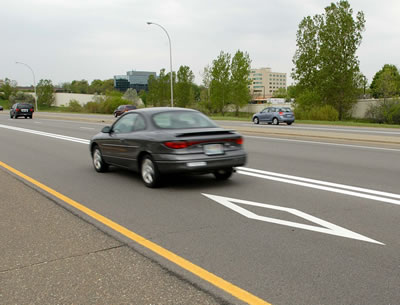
(327,227)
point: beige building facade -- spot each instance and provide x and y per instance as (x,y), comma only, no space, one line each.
(264,82)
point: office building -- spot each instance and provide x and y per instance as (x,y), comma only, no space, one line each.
(133,79)
(264,83)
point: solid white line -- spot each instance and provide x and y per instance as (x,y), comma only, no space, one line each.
(320,187)
(47,134)
(324,143)
(89,128)
(336,185)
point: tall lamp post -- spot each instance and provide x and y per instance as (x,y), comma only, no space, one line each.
(170,59)
(34,82)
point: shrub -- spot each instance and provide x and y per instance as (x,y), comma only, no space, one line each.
(317,113)
(387,112)
(74,106)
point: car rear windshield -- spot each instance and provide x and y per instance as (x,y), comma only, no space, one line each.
(130,107)
(285,109)
(181,120)
(24,106)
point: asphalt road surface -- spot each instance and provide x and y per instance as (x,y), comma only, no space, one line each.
(302,223)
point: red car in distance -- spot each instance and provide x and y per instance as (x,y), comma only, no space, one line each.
(122,109)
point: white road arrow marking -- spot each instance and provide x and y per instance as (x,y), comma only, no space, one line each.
(327,227)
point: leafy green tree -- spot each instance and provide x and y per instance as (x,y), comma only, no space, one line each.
(96,86)
(45,93)
(79,86)
(143,97)
(220,82)
(184,94)
(108,85)
(325,60)
(240,80)
(8,88)
(386,82)
(159,89)
(280,93)
(22,97)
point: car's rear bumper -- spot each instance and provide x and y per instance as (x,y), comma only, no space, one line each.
(171,163)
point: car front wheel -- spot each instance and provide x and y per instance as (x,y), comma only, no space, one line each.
(223,174)
(275,121)
(256,120)
(98,162)
(149,172)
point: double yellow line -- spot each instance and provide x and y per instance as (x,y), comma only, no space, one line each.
(226,286)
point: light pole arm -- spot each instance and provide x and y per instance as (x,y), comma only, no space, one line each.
(170,59)
(34,81)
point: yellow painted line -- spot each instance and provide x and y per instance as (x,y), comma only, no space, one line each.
(228,287)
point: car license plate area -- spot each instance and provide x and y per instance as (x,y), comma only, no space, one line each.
(213,149)
(24,110)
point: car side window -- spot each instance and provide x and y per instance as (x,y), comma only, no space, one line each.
(140,124)
(125,124)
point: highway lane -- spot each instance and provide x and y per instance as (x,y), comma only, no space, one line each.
(281,264)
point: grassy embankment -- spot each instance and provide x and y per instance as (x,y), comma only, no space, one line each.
(246,117)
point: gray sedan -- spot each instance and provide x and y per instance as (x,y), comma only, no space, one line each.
(159,141)
(274,115)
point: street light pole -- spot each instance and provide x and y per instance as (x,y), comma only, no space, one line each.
(170,59)
(34,82)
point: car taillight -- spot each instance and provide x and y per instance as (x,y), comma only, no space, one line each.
(281,113)
(17,110)
(176,145)
(31,109)
(239,141)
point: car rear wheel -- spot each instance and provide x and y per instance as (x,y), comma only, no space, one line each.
(98,162)
(223,174)
(256,120)
(149,172)
(275,121)
(289,123)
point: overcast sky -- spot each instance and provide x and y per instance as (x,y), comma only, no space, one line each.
(97,39)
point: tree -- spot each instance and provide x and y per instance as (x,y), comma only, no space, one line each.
(240,80)
(8,88)
(325,60)
(44,92)
(96,87)
(280,93)
(132,96)
(220,82)
(184,94)
(22,97)
(79,86)
(386,82)
(159,89)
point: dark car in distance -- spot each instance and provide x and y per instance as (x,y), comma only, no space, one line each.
(123,108)
(164,140)
(274,115)
(21,109)
(1,108)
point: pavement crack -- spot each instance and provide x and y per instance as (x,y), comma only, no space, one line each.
(61,258)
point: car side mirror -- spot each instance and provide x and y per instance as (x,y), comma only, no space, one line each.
(106,129)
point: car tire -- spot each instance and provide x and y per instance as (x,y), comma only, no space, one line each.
(275,121)
(25,117)
(149,172)
(11,116)
(256,120)
(223,174)
(30,116)
(98,162)
(289,123)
